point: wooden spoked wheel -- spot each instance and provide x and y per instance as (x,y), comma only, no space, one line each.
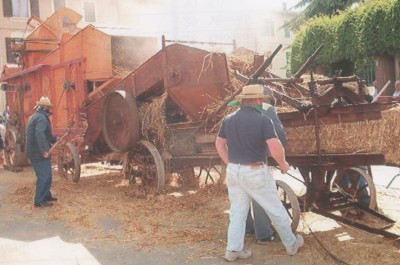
(290,202)
(68,161)
(355,184)
(13,155)
(145,167)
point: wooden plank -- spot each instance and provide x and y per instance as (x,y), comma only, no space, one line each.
(328,115)
(337,160)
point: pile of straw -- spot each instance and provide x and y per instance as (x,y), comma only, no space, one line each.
(153,120)
(380,136)
(242,63)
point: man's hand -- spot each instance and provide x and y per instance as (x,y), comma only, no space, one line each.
(284,167)
(46,154)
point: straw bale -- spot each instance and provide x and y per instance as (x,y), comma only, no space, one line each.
(357,137)
(153,120)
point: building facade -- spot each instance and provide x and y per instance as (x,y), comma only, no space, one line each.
(16,21)
(258,29)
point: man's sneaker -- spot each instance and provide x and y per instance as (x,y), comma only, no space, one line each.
(234,255)
(52,199)
(43,204)
(298,244)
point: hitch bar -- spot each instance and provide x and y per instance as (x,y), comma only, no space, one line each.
(326,211)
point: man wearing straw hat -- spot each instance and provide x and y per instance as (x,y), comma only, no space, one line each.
(259,223)
(242,144)
(38,142)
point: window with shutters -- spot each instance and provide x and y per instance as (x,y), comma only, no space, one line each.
(16,8)
(59,4)
(89,10)
(287,58)
(11,58)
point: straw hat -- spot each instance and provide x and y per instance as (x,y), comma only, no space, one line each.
(252,91)
(45,102)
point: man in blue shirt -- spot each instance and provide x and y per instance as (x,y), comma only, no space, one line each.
(38,143)
(259,223)
(242,143)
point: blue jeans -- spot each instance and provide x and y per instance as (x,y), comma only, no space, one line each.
(258,223)
(246,183)
(43,174)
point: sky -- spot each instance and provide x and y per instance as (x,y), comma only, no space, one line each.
(193,19)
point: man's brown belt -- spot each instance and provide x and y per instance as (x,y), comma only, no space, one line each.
(255,164)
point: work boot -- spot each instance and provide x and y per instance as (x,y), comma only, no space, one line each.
(265,241)
(43,204)
(298,244)
(234,255)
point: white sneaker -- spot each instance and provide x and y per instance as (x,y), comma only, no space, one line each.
(298,244)
(234,255)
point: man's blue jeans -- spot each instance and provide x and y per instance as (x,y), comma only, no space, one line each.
(246,183)
(258,223)
(42,168)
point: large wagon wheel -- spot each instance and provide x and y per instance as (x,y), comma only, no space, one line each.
(13,155)
(69,164)
(120,121)
(145,166)
(290,202)
(358,186)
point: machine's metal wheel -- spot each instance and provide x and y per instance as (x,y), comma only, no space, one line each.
(144,166)
(13,155)
(357,185)
(68,161)
(290,202)
(120,121)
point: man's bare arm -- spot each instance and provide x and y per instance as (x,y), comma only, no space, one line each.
(278,153)
(221,145)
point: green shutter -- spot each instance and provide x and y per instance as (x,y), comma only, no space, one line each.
(7,8)
(34,8)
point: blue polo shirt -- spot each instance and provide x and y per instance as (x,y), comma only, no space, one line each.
(246,131)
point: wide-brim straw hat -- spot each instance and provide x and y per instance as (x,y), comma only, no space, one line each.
(252,91)
(44,101)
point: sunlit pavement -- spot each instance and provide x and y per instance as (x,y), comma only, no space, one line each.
(49,251)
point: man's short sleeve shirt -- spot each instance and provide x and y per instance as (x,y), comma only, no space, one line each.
(246,131)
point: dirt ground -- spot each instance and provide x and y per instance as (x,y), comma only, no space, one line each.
(182,226)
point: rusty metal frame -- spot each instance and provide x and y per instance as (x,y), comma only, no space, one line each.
(327,212)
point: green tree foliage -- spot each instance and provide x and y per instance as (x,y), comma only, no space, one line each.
(317,8)
(354,36)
